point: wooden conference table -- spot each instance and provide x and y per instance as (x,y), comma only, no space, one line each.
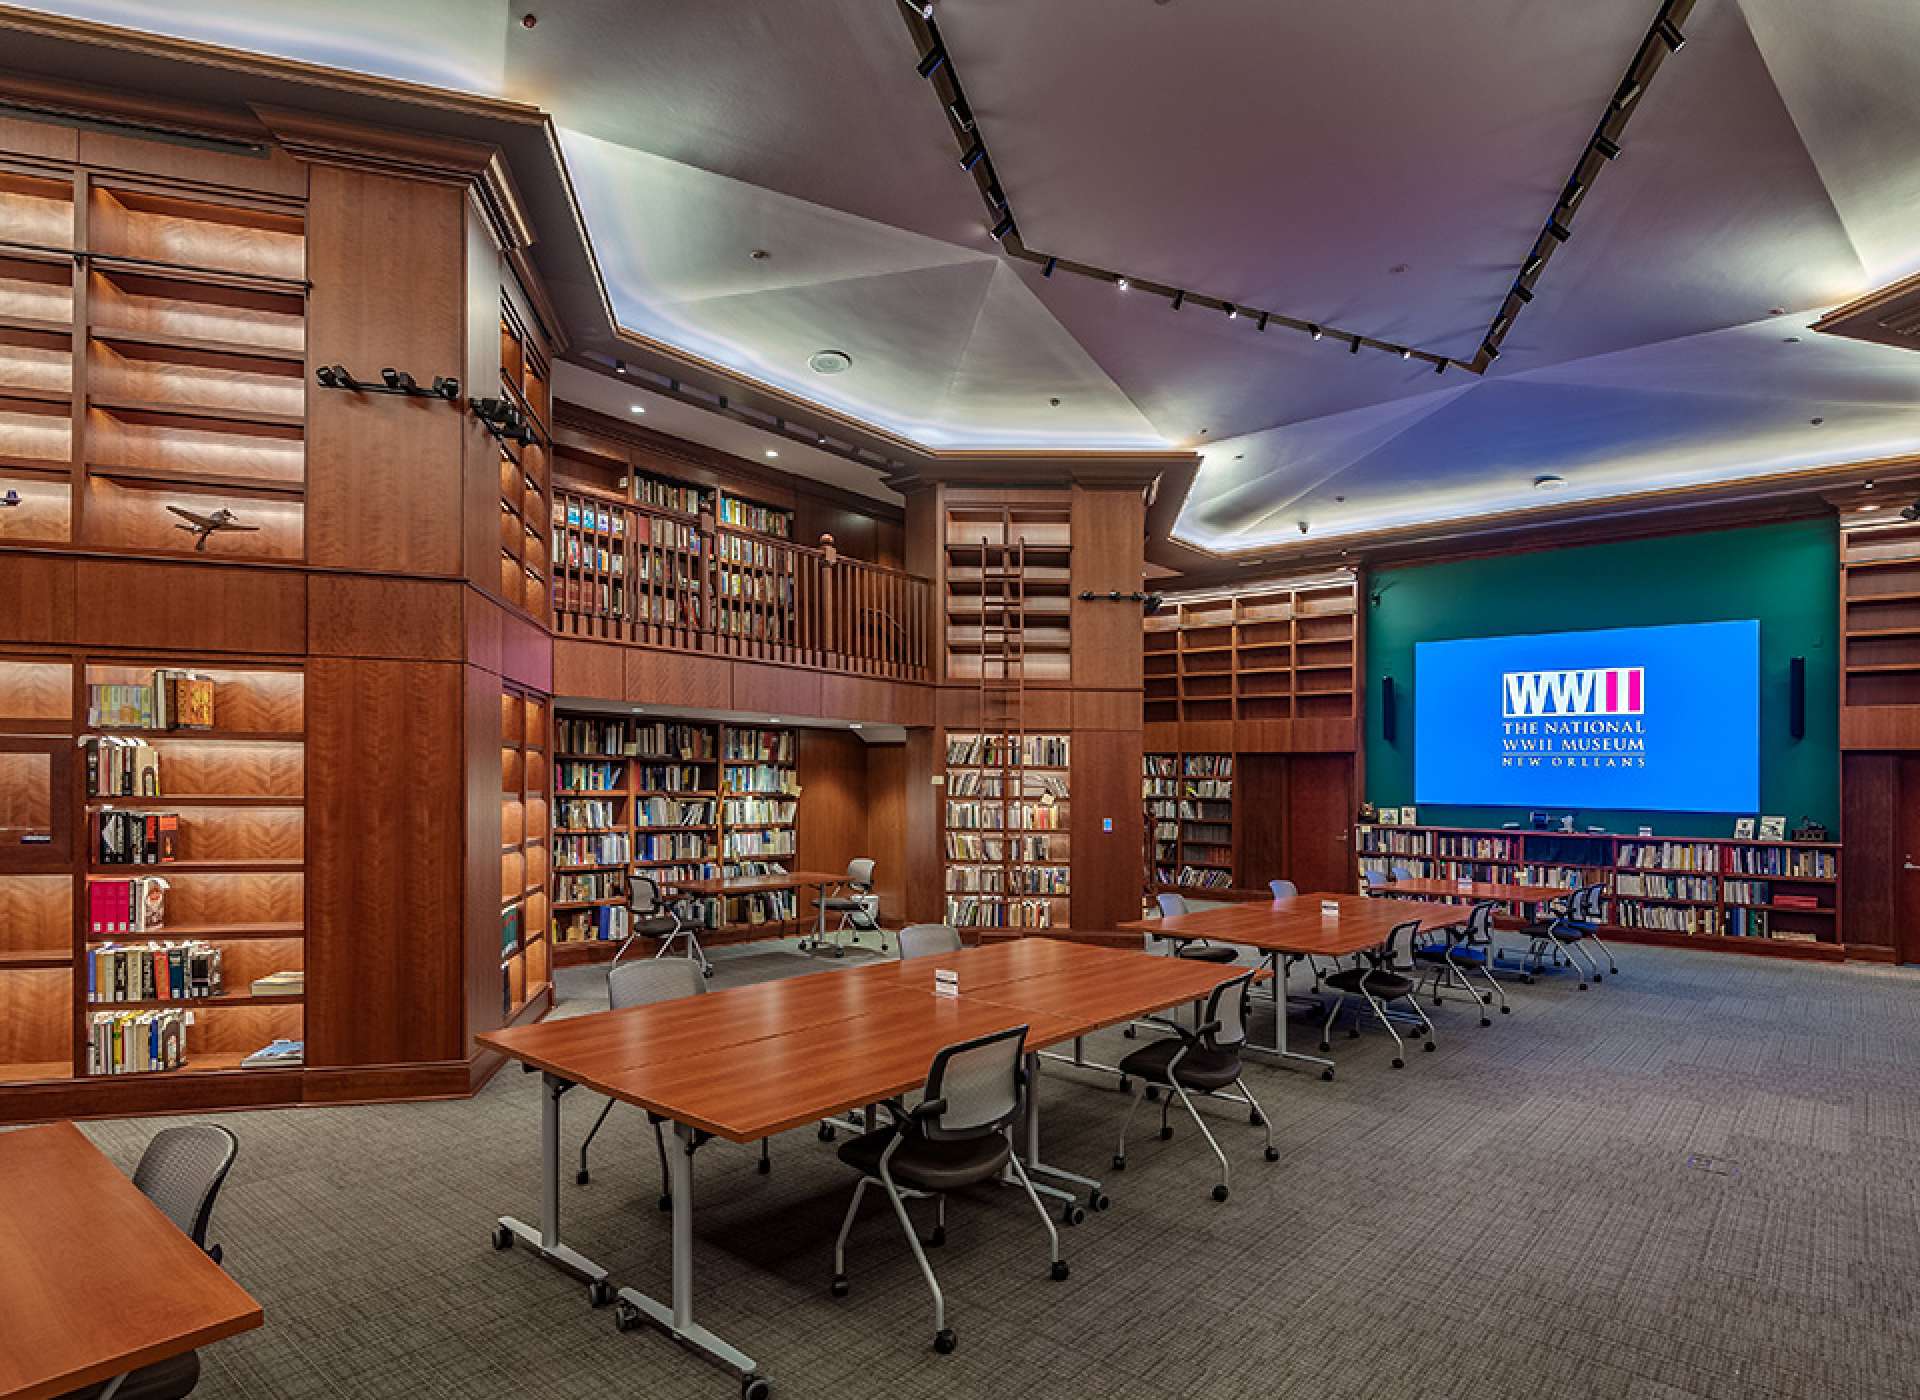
(97,1282)
(749,1062)
(1298,927)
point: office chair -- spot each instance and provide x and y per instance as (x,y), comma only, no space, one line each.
(928,940)
(851,907)
(182,1171)
(1379,978)
(172,1379)
(1455,949)
(956,1136)
(1569,923)
(653,919)
(644,984)
(1283,889)
(1172,906)
(1587,922)
(1206,1059)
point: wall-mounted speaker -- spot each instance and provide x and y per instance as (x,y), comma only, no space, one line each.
(1797,697)
(1386,709)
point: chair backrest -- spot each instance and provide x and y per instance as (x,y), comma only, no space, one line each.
(647,980)
(1402,872)
(1595,908)
(1283,889)
(1172,906)
(1227,1004)
(181,1172)
(1480,923)
(1399,941)
(643,896)
(928,940)
(980,1082)
(860,875)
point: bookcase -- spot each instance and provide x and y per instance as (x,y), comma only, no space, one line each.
(213,782)
(671,799)
(1006,825)
(525,569)
(525,849)
(1742,895)
(1008,576)
(1272,654)
(1189,816)
(152,360)
(1880,615)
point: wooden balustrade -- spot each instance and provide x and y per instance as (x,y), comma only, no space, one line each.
(627,573)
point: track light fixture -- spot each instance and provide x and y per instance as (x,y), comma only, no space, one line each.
(1559,230)
(1233,312)
(446,386)
(1405,353)
(1491,350)
(1354,347)
(1004,227)
(398,379)
(392,381)
(501,418)
(1179,300)
(1624,98)
(1440,367)
(1046,268)
(1911,512)
(975,154)
(1608,148)
(1670,35)
(1524,293)
(1314,331)
(932,61)
(10,500)
(1263,322)
(1122,283)
(619,366)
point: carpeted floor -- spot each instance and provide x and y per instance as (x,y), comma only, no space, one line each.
(1512,1216)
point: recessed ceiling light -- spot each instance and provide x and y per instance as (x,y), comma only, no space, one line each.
(772,453)
(829,361)
(1055,402)
(1396,269)
(1789,340)
(1776,311)
(638,408)
(1816,421)
(759,255)
(1122,283)
(527,21)
(773,719)
(1549,483)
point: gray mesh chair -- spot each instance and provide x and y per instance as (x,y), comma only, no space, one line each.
(644,984)
(928,940)
(1286,889)
(848,900)
(651,917)
(182,1171)
(1283,889)
(1379,978)
(172,1379)
(1570,924)
(1172,906)
(956,1136)
(1450,954)
(1204,1060)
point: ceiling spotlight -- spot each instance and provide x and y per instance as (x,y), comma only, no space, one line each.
(1491,350)
(932,61)
(1304,526)
(1670,35)
(1524,293)
(1559,230)
(638,408)
(1440,367)
(1353,348)
(925,8)
(1314,331)
(1233,312)
(1622,99)
(1549,483)
(975,154)
(1122,283)
(1608,148)
(1405,353)
(10,500)
(1263,320)
(829,361)
(1867,485)
(1911,512)
(1047,268)
(528,21)
(1004,227)
(1179,300)
(856,723)
(619,366)
(772,453)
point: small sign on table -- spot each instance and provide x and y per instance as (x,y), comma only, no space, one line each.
(946,982)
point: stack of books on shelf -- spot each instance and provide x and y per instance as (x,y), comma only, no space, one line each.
(291,983)
(1784,862)
(121,767)
(666,495)
(574,735)
(670,811)
(670,777)
(136,1042)
(608,848)
(138,905)
(745,845)
(766,520)
(580,775)
(1203,878)
(171,700)
(585,814)
(155,972)
(591,887)
(606,923)
(277,1054)
(758,811)
(695,843)
(1668,855)
(122,837)
(772,779)
(685,742)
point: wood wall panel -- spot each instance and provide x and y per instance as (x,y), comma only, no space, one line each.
(887,806)
(1107,864)
(663,678)
(776,690)
(595,670)
(384,479)
(36,598)
(189,607)
(832,826)
(386,817)
(397,619)
(48,140)
(1109,529)
(1320,812)
(278,174)
(925,859)
(1870,826)
(1879,727)
(1106,709)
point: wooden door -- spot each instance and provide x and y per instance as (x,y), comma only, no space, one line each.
(1906,866)
(1320,822)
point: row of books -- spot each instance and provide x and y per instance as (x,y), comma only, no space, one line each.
(692,844)
(582,775)
(1667,886)
(1668,918)
(1202,877)
(171,700)
(759,745)
(773,778)
(1159,787)
(758,811)
(1208,787)
(138,905)
(974,782)
(751,554)
(670,777)
(672,811)
(1668,855)
(1209,765)
(585,814)
(1007,751)
(155,971)
(965,846)
(598,597)
(607,848)
(584,552)
(1784,861)
(775,906)
(121,767)
(767,520)
(1159,765)
(1008,879)
(1163,810)
(603,924)
(594,885)
(1211,833)
(575,734)
(1206,811)
(136,1042)
(126,837)
(977,911)
(1166,831)
(995,816)
(668,495)
(741,844)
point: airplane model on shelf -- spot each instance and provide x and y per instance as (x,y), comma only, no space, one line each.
(205,527)
(8,501)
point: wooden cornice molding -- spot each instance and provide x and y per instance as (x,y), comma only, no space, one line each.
(161,116)
(1042,467)
(1888,315)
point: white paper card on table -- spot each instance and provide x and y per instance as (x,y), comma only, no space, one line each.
(946,982)
(1329,908)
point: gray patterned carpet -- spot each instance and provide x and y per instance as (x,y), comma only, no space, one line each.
(1512,1216)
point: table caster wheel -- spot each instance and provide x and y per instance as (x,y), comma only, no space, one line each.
(666,1203)
(1326,1074)
(626,1317)
(1399,1063)
(502,1237)
(1058,1273)
(1126,1085)
(582,1177)
(1273,1154)
(1072,1213)
(1485,1021)
(1428,1047)
(1326,1045)
(755,1388)
(1130,1033)
(1153,1093)
(1599,977)
(1119,1162)
(938,1237)
(1506,1011)
(1098,1201)
(1583,986)
(1220,1192)
(839,1289)
(944,1341)
(827,1132)
(1254,1118)
(1166,1132)
(599,1293)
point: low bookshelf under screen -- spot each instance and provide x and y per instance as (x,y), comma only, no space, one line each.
(1738,895)
(1006,820)
(159,928)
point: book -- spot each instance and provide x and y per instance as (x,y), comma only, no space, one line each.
(275,1054)
(291,983)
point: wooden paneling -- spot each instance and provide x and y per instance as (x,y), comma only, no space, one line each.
(509,645)
(1106,709)
(384,470)
(383,618)
(1320,808)
(590,669)
(662,678)
(1880,898)
(1261,805)
(1109,528)
(386,814)
(833,825)
(925,860)
(775,690)
(887,806)
(1107,871)
(277,174)
(1880,727)
(189,607)
(49,140)
(36,598)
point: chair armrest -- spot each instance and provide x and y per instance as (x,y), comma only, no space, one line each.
(928,1108)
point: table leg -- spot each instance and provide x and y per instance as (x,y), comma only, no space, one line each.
(677,1319)
(1030,1154)
(1278,1050)
(544,1240)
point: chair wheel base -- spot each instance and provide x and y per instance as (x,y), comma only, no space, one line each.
(1126,1085)
(1506,1011)
(1072,1213)
(1485,1021)
(1326,1045)
(1583,986)
(827,1132)
(1273,1154)
(1220,1193)
(938,1237)
(755,1388)
(1058,1273)
(1153,1093)
(666,1202)
(1326,1074)
(839,1288)
(1098,1201)
(1130,1033)
(1399,1063)
(944,1341)
(1119,1162)
(1166,1133)
(502,1237)
(626,1317)
(1428,1047)
(599,1293)
(582,1177)
(1254,1118)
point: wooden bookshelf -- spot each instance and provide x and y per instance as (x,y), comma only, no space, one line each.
(1280,653)
(760,799)
(1006,830)
(1700,891)
(1189,813)
(1880,616)
(527,815)
(236,883)
(1008,575)
(525,468)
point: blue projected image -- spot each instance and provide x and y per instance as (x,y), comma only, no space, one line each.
(1662,719)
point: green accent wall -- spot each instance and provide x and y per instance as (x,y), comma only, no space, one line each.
(1786,575)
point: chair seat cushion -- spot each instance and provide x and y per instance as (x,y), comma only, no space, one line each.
(930,1164)
(1566,933)
(1462,953)
(1211,952)
(1385,985)
(1200,1068)
(839,903)
(657,927)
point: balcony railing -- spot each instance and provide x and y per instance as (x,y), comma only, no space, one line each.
(626,573)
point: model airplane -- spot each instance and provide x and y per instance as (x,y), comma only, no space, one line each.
(205,527)
(11,499)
